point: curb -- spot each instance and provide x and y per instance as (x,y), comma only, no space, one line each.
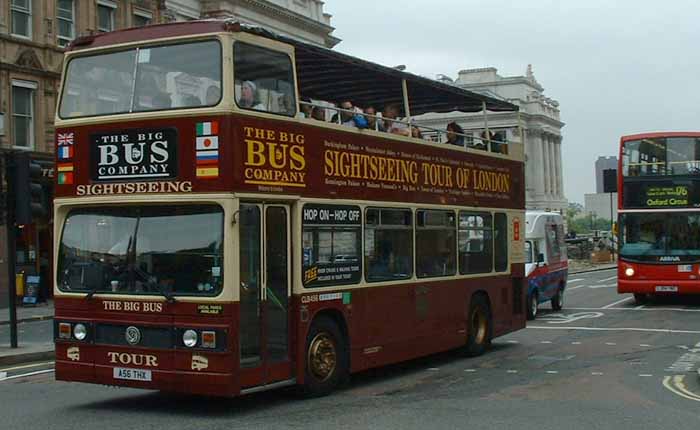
(593,270)
(30,319)
(9,360)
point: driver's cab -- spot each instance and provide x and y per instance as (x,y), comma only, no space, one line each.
(546,263)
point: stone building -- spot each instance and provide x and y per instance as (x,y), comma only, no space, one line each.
(541,125)
(603,163)
(302,19)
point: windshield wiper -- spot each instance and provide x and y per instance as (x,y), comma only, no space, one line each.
(150,282)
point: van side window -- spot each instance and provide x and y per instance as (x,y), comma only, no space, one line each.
(435,243)
(500,240)
(475,240)
(388,244)
(264,80)
(553,243)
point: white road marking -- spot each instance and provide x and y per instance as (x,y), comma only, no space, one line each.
(566,319)
(29,365)
(3,375)
(645,375)
(595,287)
(652,330)
(576,343)
(546,341)
(552,372)
(433,369)
(512,371)
(38,372)
(513,341)
(596,373)
(608,279)
(644,345)
(576,287)
(610,343)
(677,386)
(470,370)
(635,309)
(617,302)
(575,280)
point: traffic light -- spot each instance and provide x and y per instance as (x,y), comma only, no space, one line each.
(30,199)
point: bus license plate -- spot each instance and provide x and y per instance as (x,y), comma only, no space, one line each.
(666,289)
(685,268)
(132,374)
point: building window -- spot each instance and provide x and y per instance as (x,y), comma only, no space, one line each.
(65,17)
(141,18)
(105,15)
(22,18)
(23,114)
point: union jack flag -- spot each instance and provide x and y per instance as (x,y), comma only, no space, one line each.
(65,139)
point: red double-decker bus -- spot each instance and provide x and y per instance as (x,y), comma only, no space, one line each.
(659,214)
(212,239)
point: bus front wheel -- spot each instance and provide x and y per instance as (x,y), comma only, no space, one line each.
(326,358)
(479,328)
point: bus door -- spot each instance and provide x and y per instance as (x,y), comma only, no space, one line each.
(265,290)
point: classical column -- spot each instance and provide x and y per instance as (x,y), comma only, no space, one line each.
(560,175)
(553,163)
(534,138)
(546,167)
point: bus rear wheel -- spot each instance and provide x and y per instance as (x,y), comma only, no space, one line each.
(479,328)
(326,358)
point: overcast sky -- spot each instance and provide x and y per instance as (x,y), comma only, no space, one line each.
(616,66)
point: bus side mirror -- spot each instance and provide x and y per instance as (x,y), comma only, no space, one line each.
(540,258)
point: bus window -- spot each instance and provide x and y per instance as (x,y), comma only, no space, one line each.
(500,239)
(151,78)
(331,245)
(388,244)
(436,253)
(475,242)
(264,80)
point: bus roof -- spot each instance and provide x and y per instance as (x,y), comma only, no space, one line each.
(363,82)
(651,135)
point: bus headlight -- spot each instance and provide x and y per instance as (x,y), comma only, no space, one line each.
(629,272)
(79,331)
(189,338)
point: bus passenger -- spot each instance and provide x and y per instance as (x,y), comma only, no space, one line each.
(305,108)
(371,117)
(415,132)
(249,97)
(347,116)
(318,113)
(455,134)
(392,112)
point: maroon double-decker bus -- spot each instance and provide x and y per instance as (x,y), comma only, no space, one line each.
(212,239)
(659,214)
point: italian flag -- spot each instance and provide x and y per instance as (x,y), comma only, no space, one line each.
(207,128)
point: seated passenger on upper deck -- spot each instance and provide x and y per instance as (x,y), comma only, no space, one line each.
(347,116)
(318,113)
(248,98)
(371,117)
(455,134)
(391,112)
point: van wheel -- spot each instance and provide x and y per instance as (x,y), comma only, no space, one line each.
(532,303)
(479,329)
(558,300)
(326,358)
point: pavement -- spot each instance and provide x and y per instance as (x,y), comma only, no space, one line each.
(31,347)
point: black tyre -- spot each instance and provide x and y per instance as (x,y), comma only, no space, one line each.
(479,326)
(326,358)
(640,299)
(558,300)
(532,304)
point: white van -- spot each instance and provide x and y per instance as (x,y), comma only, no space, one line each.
(546,265)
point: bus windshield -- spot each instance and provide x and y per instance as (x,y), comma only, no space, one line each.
(661,156)
(143,250)
(142,79)
(660,237)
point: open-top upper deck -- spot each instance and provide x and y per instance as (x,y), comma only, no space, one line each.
(122,141)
